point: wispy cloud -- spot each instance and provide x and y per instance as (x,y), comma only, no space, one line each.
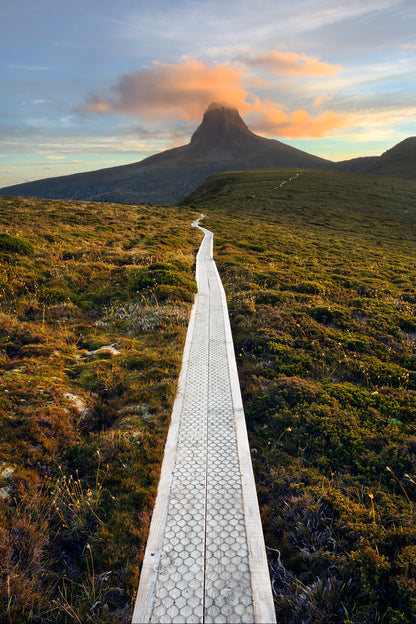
(217,29)
(312,15)
(292,64)
(42,101)
(34,68)
(321,99)
(52,145)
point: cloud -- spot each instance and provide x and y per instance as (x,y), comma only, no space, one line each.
(40,101)
(292,64)
(321,99)
(271,120)
(29,67)
(165,92)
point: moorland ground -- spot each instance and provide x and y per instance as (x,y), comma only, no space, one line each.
(320,280)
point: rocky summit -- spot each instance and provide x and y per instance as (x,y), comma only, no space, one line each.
(220,124)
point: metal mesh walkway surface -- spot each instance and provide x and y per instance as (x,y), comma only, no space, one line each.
(205,559)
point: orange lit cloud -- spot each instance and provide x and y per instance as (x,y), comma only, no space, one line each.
(167,91)
(292,64)
(164,90)
(272,121)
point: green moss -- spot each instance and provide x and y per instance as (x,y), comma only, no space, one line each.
(18,244)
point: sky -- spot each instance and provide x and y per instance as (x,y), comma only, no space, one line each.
(91,84)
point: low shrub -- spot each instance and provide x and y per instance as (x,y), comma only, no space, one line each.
(18,244)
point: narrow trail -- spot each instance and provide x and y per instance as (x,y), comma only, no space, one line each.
(205,559)
(285,182)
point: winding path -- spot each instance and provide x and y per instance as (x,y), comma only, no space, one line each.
(205,559)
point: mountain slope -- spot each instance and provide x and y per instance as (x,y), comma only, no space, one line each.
(356,165)
(222,142)
(399,161)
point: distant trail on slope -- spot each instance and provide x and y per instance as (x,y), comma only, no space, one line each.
(285,182)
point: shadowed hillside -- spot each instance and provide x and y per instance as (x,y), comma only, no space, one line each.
(399,161)
(222,142)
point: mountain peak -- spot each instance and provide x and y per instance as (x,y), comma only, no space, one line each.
(220,122)
(222,107)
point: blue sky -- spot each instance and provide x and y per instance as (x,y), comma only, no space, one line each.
(93,84)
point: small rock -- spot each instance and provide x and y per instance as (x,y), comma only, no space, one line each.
(107,349)
(78,403)
(6,471)
(4,492)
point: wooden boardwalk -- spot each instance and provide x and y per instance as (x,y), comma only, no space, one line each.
(205,559)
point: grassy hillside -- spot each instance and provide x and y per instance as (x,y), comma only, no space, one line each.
(320,277)
(93,313)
